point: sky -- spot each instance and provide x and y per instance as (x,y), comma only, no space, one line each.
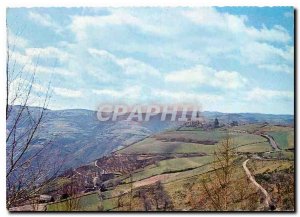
(228,59)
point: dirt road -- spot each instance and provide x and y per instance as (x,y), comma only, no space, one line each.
(150,180)
(102,170)
(80,174)
(272,142)
(267,201)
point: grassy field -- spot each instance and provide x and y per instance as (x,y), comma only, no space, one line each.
(162,144)
(182,190)
(245,138)
(250,128)
(172,165)
(109,204)
(182,178)
(152,145)
(288,155)
(185,189)
(285,140)
(89,202)
(255,148)
(274,128)
(260,166)
(193,134)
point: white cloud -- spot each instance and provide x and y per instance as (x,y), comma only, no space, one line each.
(259,94)
(38,69)
(186,97)
(236,24)
(289,14)
(48,52)
(182,37)
(196,75)
(20,87)
(137,47)
(283,68)
(16,40)
(19,58)
(26,63)
(263,53)
(45,20)
(228,80)
(129,66)
(203,75)
(39,88)
(65,92)
(80,24)
(133,92)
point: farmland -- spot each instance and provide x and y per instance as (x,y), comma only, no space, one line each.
(89,202)
(167,170)
(284,139)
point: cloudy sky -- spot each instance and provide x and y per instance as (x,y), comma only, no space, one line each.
(227,59)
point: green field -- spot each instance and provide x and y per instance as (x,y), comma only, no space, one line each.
(152,145)
(109,204)
(244,138)
(213,135)
(285,140)
(180,173)
(172,165)
(89,202)
(162,144)
(250,128)
(288,155)
(255,148)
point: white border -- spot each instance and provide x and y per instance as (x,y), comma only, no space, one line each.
(103,3)
(122,3)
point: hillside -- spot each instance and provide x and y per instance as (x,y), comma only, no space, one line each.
(166,171)
(79,137)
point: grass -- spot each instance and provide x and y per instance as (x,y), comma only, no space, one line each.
(178,173)
(109,204)
(285,139)
(245,138)
(160,145)
(261,166)
(255,148)
(273,128)
(287,155)
(184,191)
(55,184)
(172,165)
(213,135)
(154,146)
(89,202)
(250,128)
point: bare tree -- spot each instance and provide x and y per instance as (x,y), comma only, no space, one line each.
(130,196)
(70,192)
(217,185)
(29,164)
(161,198)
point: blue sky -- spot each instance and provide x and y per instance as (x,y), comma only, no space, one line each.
(230,59)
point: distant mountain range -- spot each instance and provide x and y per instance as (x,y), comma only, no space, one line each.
(250,117)
(79,137)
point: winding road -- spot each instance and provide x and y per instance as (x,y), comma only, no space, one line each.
(272,142)
(267,201)
(79,173)
(102,170)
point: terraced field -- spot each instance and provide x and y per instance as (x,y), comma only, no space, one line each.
(255,148)
(172,166)
(88,202)
(249,128)
(178,142)
(285,140)
(180,161)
